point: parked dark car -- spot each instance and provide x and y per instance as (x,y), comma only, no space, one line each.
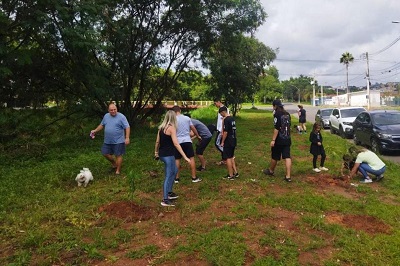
(322,117)
(379,130)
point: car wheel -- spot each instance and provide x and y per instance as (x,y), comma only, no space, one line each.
(356,141)
(375,146)
(341,132)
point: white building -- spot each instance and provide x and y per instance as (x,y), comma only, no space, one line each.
(359,98)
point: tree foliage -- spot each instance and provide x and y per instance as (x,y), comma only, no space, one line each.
(96,51)
(236,63)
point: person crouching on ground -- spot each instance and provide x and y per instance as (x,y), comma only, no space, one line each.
(228,142)
(368,162)
(165,148)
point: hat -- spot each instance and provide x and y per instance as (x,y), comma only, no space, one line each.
(277,102)
(222,109)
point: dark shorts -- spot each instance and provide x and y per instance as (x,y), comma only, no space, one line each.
(280,151)
(228,152)
(187,148)
(113,149)
(202,146)
(302,120)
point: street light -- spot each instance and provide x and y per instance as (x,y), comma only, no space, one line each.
(396,21)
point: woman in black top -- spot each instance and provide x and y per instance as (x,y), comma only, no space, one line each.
(165,147)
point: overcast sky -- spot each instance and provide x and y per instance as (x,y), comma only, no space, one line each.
(313,34)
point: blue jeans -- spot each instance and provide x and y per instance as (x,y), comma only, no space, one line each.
(170,170)
(365,169)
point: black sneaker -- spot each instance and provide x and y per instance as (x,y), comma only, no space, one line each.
(176,181)
(167,203)
(172,196)
(287,179)
(196,180)
(379,178)
(268,172)
(236,175)
(200,168)
(228,177)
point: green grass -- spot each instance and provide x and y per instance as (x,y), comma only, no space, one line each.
(45,219)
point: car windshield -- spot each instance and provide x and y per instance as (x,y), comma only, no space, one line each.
(326,112)
(351,112)
(384,119)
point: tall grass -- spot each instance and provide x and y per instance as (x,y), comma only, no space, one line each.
(45,219)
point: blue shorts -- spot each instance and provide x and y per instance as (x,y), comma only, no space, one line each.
(280,151)
(113,149)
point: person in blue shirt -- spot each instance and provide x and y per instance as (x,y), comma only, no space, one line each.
(116,136)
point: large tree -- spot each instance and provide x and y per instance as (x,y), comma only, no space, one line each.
(236,63)
(346,59)
(97,51)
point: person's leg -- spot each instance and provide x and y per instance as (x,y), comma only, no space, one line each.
(314,161)
(272,165)
(288,164)
(111,159)
(202,161)
(323,157)
(118,163)
(362,169)
(192,167)
(178,167)
(167,175)
(367,169)
(235,171)
(229,166)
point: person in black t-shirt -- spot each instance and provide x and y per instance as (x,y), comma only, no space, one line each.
(228,142)
(281,140)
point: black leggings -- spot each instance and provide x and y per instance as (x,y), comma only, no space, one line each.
(314,161)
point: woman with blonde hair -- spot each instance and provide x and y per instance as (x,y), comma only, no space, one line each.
(166,144)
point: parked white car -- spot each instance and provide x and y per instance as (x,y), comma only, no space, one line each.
(341,120)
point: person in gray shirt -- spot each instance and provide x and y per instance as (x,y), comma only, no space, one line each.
(202,144)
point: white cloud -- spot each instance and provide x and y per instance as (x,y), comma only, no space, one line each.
(313,34)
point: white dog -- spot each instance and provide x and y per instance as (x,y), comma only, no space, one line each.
(84,177)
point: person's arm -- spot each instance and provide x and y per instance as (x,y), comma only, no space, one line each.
(127,135)
(193,128)
(157,145)
(172,131)
(353,171)
(97,129)
(274,136)
(224,135)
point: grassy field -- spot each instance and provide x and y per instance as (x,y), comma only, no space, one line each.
(318,219)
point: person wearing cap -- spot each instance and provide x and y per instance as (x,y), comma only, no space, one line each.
(280,141)
(228,142)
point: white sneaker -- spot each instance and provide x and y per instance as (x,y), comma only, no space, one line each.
(323,168)
(316,170)
(366,180)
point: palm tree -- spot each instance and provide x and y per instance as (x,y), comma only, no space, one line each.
(346,59)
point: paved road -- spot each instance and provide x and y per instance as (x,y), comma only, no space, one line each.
(312,110)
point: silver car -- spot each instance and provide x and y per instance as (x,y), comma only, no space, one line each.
(322,117)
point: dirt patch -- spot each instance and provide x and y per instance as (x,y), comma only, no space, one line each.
(368,224)
(127,211)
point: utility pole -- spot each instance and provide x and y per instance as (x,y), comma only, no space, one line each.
(313,91)
(322,95)
(368,93)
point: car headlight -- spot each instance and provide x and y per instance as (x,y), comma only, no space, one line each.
(384,136)
(347,123)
